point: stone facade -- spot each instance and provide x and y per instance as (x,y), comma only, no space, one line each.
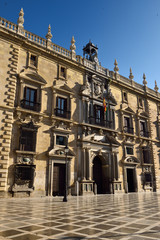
(59,110)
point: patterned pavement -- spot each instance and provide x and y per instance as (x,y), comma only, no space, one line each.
(125,216)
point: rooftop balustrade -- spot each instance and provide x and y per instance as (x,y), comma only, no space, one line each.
(68,54)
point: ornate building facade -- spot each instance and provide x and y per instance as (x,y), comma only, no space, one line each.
(52,100)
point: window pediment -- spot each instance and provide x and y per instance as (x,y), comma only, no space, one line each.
(32,76)
(101,138)
(61,152)
(131,160)
(64,88)
(129,110)
(144,114)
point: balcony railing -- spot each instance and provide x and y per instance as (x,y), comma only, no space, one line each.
(101,122)
(30,105)
(128,129)
(62,113)
(144,133)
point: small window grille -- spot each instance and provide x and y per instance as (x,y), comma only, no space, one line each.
(63,72)
(33,60)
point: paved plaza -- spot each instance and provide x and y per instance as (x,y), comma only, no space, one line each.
(123,216)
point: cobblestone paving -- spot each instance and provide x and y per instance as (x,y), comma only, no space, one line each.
(124,216)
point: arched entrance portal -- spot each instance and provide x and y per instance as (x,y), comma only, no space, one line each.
(100,175)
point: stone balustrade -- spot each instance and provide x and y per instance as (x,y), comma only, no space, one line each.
(61,50)
(67,53)
(9,25)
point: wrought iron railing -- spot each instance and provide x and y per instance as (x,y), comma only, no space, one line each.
(62,113)
(144,133)
(128,129)
(101,122)
(34,106)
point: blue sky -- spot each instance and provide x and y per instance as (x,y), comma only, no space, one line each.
(126,30)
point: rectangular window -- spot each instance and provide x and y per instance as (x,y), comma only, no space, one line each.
(146,155)
(63,72)
(143,129)
(27,140)
(33,60)
(129,150)
(62,108)
(99,114)
(140,102)
(125,97)
(127,125)
(30,99)
(61,140)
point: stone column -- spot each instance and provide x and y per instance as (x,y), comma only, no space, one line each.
(113,166)
(50,177)
(21,92)
(138,126)
(89,175)
(83,164)
(54,101)
(116,166)
(70,106)
(87,111)
(83,110)
(122,121)
(125,180)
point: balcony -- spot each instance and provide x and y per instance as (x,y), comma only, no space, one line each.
(62,113)
(128,129)
(144,134)
(34,106)
(101,122)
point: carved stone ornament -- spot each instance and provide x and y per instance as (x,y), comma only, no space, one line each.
(97,89)
(49,34)
(132,160)
(21,19)
(131,75)
(73,46)
(144,80)
(156,87)
(25,159)
(26,118)
(86,88)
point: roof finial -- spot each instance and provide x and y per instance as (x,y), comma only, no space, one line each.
(20,20)
(116,69)
(144,80)
(49,34)
(73,46)
(131,75)
(156,87)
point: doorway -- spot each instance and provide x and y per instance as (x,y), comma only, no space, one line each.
(100,176)
(59,179)
(131,179)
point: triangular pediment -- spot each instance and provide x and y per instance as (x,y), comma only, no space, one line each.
(33,76)
(63,87)
(144,114)
(129,109)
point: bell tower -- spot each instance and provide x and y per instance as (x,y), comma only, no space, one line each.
(90,52)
